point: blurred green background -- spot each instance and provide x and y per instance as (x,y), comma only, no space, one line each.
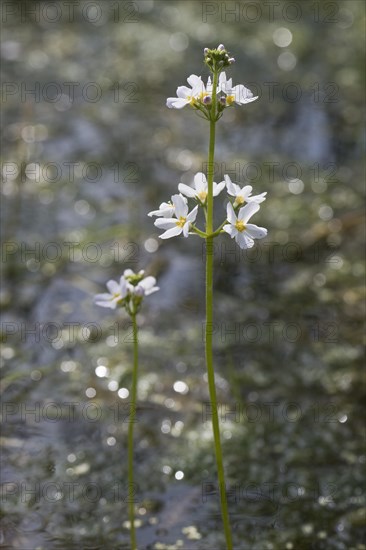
(88,148)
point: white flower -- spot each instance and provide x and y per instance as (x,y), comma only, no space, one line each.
(238,228)
(166,210)
(200,190)
(129,292)
(117,293)
(181,222)
(188,96)
(139,286)
(238,94)
(145,287)
(242,194)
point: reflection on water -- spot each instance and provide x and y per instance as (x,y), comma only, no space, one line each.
(79,177)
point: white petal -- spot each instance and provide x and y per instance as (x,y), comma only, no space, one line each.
(113,287)
(194,80)
(138,290)
(225,85)
(255,232)
(245,93)
(112,304)
(186,229)
(247,211)
(245,191)
(198,89)
(192,215)
(248,100)
(130,288)
(106,300)
(183,92)
(165,209)
(232,188)
(222,78)
(128,273)
(151,290)
(165,223)
(155,213)
(217,188)
(181,208)
(186,190)
(170,102)
(230,229)
(123,286)
(103,297)
(242,94)
(148,282)
(258,198)
(231,217)
(173,232)
(243,240)
(200,182)
(176,103)
(165,205)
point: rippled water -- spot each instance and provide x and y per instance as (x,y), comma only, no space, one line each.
(288,314)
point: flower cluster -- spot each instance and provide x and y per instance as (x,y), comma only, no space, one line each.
(128,293)
(217,58)
(200,96)
(176,218)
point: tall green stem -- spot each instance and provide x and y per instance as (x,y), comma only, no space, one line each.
(132,417)
(209,321)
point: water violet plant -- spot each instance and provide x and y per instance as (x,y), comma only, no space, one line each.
(177,217)
(129,294)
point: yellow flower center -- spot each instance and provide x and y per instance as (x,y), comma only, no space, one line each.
(202,196)
(117,296)
(230,99)
(181,221)
(199,99)
(239,199)
(240,225)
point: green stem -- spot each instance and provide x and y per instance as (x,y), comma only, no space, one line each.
(198,231)
(218,230)
(209,321)
(131,502)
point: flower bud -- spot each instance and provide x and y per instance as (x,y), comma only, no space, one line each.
(205,51)
(221,47)
(223,100)
(207,100)
(139,291)
(231,60)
